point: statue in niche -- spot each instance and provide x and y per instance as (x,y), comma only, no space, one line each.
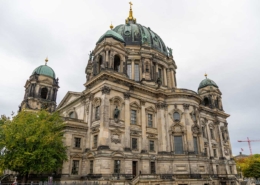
(116,114)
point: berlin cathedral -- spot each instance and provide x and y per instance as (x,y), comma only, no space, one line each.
(131,124)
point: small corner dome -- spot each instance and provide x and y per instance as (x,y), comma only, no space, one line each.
(44,70)
(207,82)
(113,34)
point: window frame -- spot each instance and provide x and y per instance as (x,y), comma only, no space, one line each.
(91,166)
(117,167)
(152,167)
(77,144)
(175,146)
(75,167)
(151,149)
(135,120)
(150,121)
(132,143)
(136,71)
(97,112)
(174,113)
(195,142)
(95,141)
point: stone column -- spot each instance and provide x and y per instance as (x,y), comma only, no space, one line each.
(127,120)
(221,144)
(161,122)
(103,138)
(143,124)
(133,69)
(143,69)
(165,76)
(89,116)
(169,80)
(173,78)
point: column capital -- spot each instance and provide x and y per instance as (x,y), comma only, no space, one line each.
(186,106)
(126,95)
(161,105)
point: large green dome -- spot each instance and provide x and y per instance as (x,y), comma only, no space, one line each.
(44,70)
(207,82)
(136,34)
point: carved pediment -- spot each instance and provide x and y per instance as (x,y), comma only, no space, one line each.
(135,105)
(135,133)
(150,109)
(178,128)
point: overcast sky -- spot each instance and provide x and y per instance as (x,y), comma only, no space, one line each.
(220,37)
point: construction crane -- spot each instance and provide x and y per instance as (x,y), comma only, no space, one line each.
(249,143)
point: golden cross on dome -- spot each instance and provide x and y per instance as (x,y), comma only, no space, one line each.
(46,60)
(130,4)
(206,75)
(111,26)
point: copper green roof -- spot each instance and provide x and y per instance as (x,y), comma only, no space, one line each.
(207,82)
(44,70)
(111,33)
(137,34)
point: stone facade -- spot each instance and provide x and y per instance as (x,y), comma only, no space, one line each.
(133,125)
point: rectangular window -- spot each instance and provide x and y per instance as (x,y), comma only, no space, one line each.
(217,169)
(206,151)
(178,145)
(75,167)
(91,165)
(77,142)
(129,70)
(150,120)
(152,166)
(151,146)
(212,133)
(215,152)
(134,143)
(97,113)
(117,166)
(133,117)
(137,74)
(230,168)
(195,142)
(95,140)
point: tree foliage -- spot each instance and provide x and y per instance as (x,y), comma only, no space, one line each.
(249,166)
(31,142)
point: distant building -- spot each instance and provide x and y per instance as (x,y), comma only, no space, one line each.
(132,124)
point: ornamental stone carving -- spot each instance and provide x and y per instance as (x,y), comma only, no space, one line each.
(186,106)
(126,95)
(161,105)
(105,90)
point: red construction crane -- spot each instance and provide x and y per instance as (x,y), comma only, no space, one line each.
(249,143)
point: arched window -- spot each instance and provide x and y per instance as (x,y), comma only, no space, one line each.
(72,115)
(206,101)
(117,63)
(176,116)
(44,92)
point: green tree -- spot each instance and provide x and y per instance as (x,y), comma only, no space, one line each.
(253,170)
(250,166)
(31,142)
